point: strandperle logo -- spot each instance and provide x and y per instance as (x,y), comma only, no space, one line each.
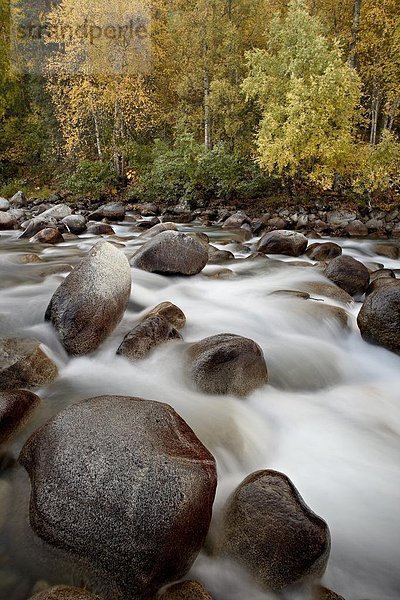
(84,36)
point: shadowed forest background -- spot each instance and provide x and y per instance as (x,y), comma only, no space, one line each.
(239,99)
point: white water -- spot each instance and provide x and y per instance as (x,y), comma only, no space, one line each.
(331,423)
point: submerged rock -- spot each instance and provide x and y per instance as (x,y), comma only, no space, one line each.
(125,489)
(379,317)
(172,252)
(272,533)
(150,333)
(323,251)
(49,235)
(64,592)
(172,313)
(349,274)
(227,364)
(290,243)
(15,408)
(187,590)
(326,290)
(23,363)
(92,299)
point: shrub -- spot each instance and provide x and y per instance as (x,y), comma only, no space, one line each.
(92,177)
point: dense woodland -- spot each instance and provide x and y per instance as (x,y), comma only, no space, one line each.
(237,98)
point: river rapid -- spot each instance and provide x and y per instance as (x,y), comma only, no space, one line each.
(329,418)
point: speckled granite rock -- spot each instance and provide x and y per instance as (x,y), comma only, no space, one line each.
(172,313)
(91,301)
(270,531)
(23,363)
(124,487)
(150,333)
(349,274)
(64,592)
(186,590)
(290,243)
(15,408)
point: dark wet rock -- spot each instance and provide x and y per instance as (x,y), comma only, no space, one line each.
(100,229)
(145,337)
(172,252)
(323,251)
(156,229)
(58,212)
(186,590)
(75,223)
(217,256)
(148,224)
(349,274)
(48,236)
(15,408)
(272,533)
(388,250)
(64,592)
(356,229)
(379,282)
(7,221)
(236,220)
(37,224)
(170,312)
(111,212)
(379,317)
(382,274)
(125,489)
(4,204)
(227,364)
(91,301)
(23,363)
(19,200)
(148,209)
(290,243)
(322,593)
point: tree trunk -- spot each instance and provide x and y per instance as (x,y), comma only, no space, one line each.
(392,113)
(354,33)
(375,106)
(97,133)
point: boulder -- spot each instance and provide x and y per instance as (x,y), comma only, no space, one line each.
(349,274)
(7,221)
(58,212)
(382,281)
(172,252)
(326,290)
(19,200)
(4,204)
(323,251)
(271,532)
(216,256)
(227,364)
(23,363)
(186,590)
(113,212)
(159,228)
(356,229)
(48,236)
(122,487)
(146,336)
(170,312)
(379,317)
(64,592)
(276,224)
(75,223)
(100,229)
(236,220)
(37,224)
(290,243)
(92,299)
(15,408)
(388,250)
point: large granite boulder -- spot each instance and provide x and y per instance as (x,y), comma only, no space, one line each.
(290,243)
(349,274)
(113,212)
(379,317)
(270,531)
(92,299)
(172,313)
(172,252)
(64,592)
(15,408)
(23,363)
(150,333)
(227,364)
(75,223)
(122,487)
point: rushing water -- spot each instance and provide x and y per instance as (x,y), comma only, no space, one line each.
(329,419)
